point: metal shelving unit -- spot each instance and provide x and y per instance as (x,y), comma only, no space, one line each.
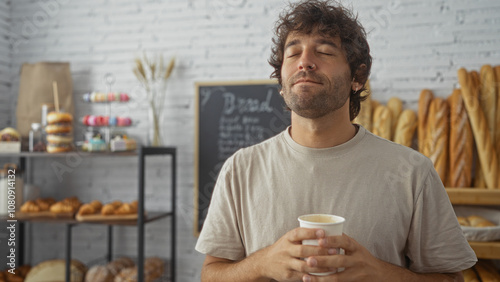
(142,153)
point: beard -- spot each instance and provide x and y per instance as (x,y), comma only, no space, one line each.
(315,101)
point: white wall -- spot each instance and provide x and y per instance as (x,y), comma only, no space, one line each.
(415,45)
(5,65)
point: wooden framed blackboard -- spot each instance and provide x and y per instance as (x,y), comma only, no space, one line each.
(230,116)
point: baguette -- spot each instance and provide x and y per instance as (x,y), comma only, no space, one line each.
(364,117)
(470,275)
(395,105)
(485,148)
(461,147)
(437,135)
(479,221)
(405,129)
(424,101)
(479,181)
(486,272)
(382,122)
(497,115)
(488,97)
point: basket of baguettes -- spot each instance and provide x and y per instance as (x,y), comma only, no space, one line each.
(460,133)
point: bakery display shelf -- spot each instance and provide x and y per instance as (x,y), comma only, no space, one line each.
(486,250)
(149,217)
(474,196)
(141,154)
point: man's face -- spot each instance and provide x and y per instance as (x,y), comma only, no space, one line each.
(315,75)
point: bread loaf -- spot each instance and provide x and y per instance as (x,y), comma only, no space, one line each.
(485,148)
(99,273)
(479,221)
(437,135)
(395,105)
(364,117)
(461,146)
(479,181)
(54,270)
(424,102)
(488,97)
(497,115)
(470,275)
(486,272)
(405,129)
(382,122)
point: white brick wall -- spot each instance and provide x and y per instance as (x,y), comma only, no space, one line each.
(415,45)
(5,65)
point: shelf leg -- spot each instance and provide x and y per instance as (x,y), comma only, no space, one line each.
(140,218)
(68,252)
(174,229)
(110,243)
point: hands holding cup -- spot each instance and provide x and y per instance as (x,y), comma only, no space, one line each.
(331,224)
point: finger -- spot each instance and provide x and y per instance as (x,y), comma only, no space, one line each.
(304,251)
(315,267)
(300,233)
(334,261)
(345,242)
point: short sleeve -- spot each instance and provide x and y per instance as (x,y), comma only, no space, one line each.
(436,243)
(220,236)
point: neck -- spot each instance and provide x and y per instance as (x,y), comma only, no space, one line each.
(328,131)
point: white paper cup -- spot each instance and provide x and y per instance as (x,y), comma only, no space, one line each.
(332,224)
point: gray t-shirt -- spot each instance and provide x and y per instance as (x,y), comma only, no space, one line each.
(393,200)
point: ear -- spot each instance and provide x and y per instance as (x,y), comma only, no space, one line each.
(360,77)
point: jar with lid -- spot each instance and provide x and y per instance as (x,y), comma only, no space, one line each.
(36,143)
(11,189)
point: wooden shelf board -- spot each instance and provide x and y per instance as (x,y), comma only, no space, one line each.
(486,250)
(474,196)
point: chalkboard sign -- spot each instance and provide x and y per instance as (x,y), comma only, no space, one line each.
(230,116)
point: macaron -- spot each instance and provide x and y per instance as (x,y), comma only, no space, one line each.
(112,121)
(124,97)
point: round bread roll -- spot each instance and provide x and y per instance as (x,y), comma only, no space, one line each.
(56,148)
(58,128)
(58,117)
(99,273)
(59,139)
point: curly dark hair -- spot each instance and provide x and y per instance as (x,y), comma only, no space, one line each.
(328,19)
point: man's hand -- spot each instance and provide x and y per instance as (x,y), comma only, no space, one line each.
(283,261)
(360,265)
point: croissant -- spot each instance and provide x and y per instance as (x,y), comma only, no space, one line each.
(108,209)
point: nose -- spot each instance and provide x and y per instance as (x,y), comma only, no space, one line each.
(306,62)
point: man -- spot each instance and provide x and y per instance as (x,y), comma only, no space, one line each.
(400,225)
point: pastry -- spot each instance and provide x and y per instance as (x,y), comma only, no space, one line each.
(117,265)
(54,270)
(108,209)
(424,102)
(462,220)
(405,128)
(126,209)
(479,221)
(30,206)
(395,105)
(488,96)
(382,122)
(436,136)
(99,273)
(486,272)
(470,275)
(461,143)
(484,143)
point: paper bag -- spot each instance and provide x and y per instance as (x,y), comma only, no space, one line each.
(35,89)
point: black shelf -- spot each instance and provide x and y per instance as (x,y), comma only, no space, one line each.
(141,154)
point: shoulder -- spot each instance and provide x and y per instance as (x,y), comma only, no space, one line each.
(393,154)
